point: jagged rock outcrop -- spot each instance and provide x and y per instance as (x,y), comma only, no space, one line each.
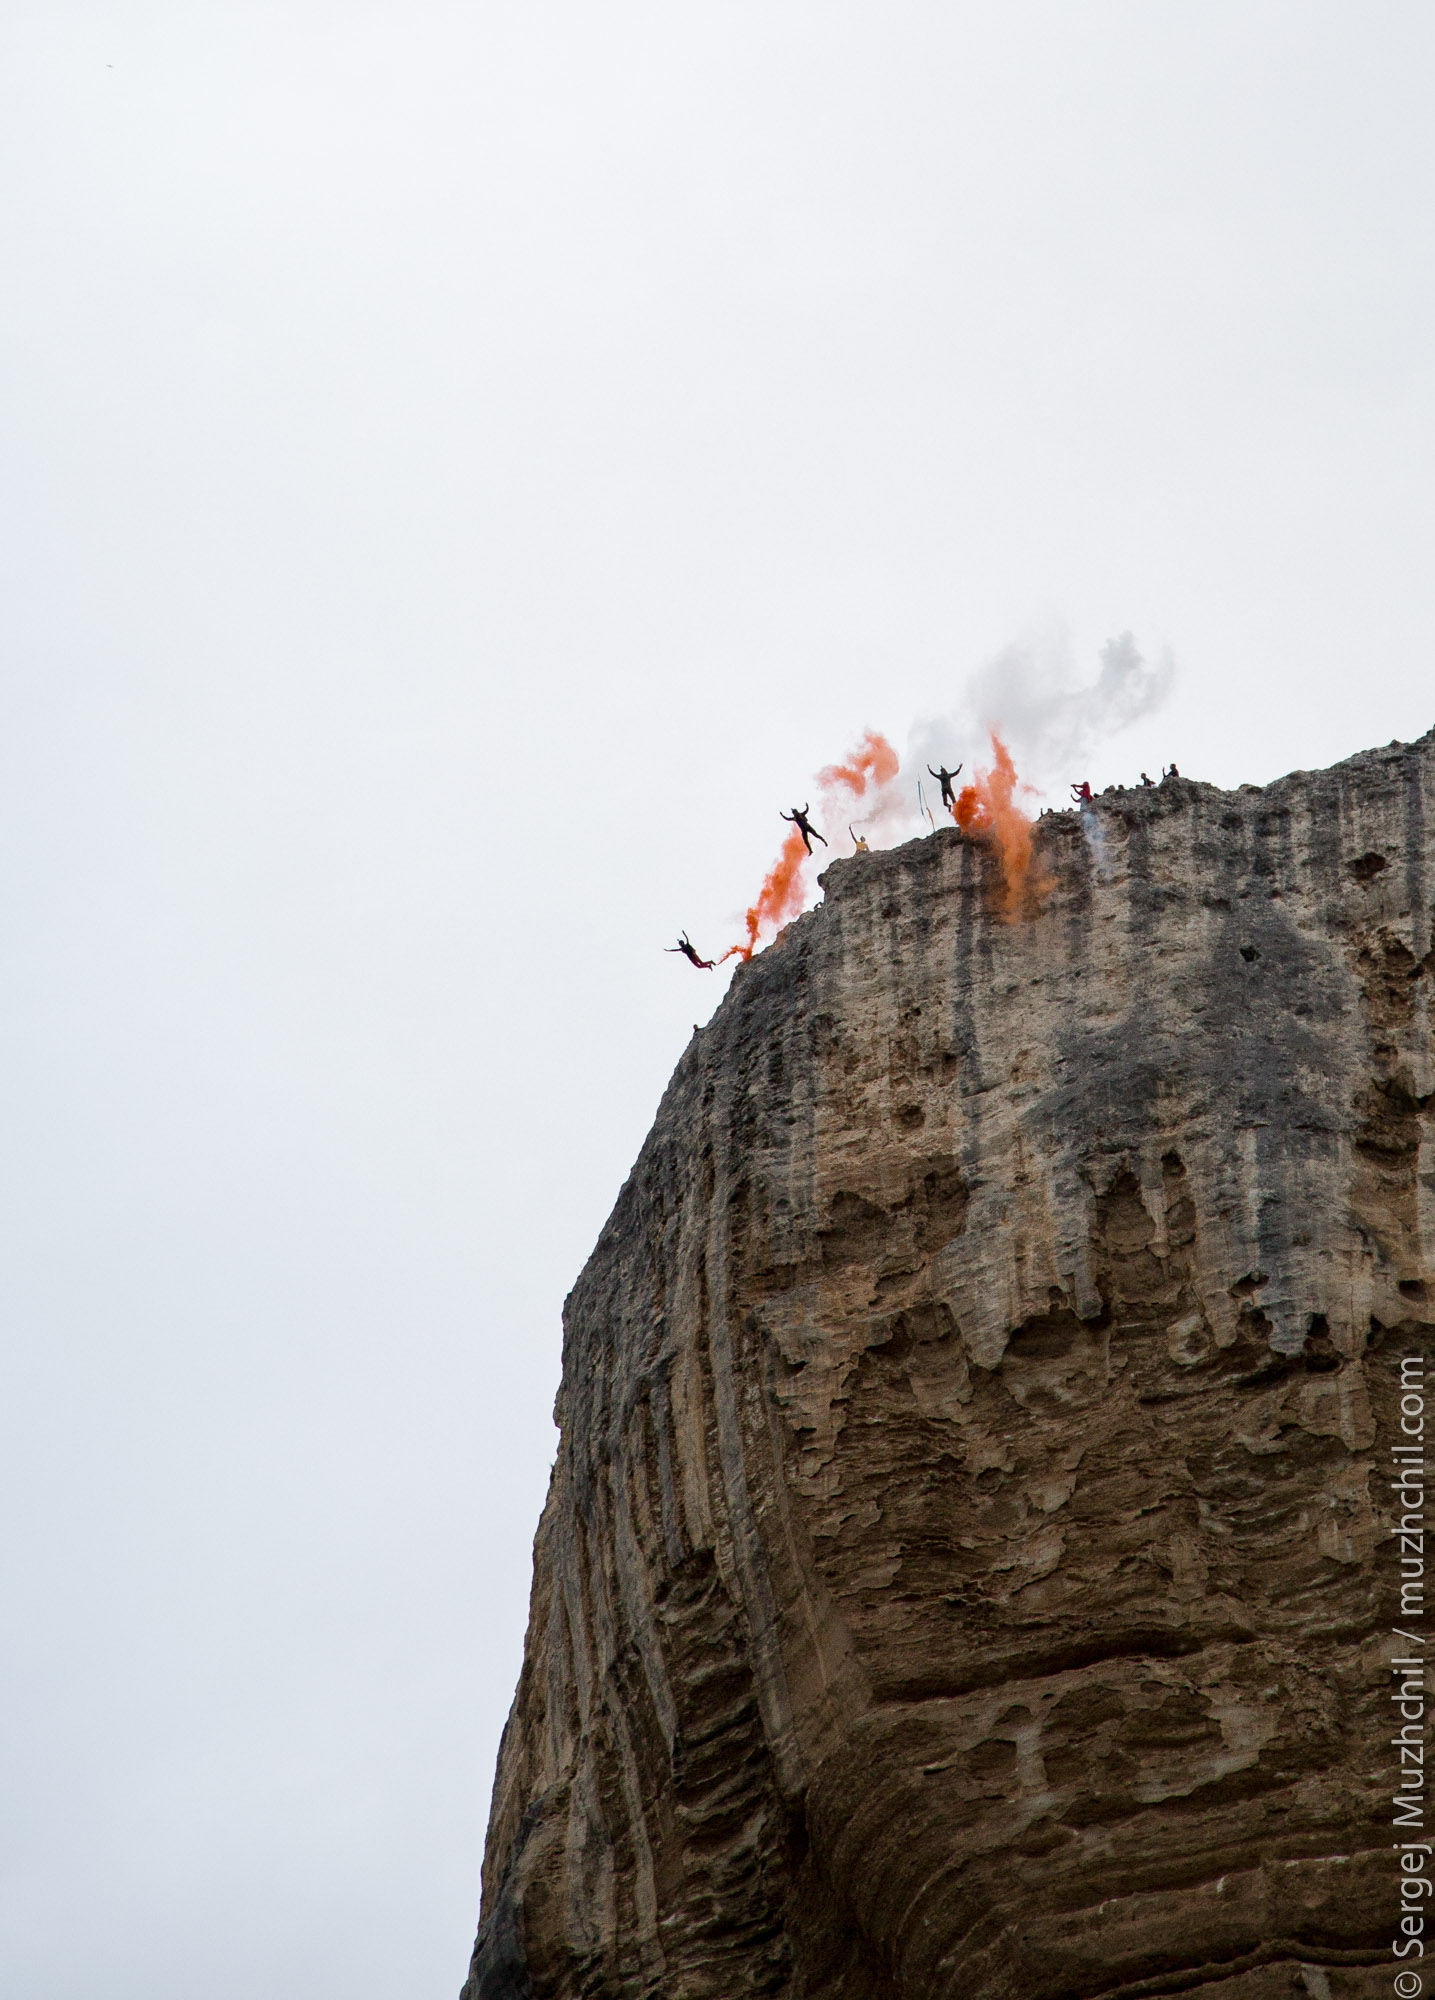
(958,1579)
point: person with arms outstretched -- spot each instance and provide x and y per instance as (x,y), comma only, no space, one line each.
(944,778)
(804,826)
(689,951)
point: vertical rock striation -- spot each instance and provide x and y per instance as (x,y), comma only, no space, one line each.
(958,1576)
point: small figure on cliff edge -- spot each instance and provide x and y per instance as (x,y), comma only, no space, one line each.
(1082,793)
(689,951)
(944,778)
(1148,782)
(799,819)
(859,844)
(1172,773)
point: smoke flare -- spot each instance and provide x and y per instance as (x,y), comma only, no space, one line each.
(872,764)
(1030,692)
(779,900)
(1095,836)
(987,807)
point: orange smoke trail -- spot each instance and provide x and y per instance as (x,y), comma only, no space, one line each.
(873,762)
(987,808)
(779,899)
(784,890)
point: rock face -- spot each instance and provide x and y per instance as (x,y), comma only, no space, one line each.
(959,1578)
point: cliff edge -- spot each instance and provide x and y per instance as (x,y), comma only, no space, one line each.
(959,1576)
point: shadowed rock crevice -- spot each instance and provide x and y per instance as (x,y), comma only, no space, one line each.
(959,1576)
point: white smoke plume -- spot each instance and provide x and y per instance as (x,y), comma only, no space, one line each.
(1049,725)
(1095,835)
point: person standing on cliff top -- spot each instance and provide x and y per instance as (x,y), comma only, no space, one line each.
(1082,793)
(944,778)
(809,833)
(859,844)
(689,951)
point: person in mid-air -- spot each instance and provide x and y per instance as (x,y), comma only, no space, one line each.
(804,826)
(944,778)
(1082,793)
(859,845)
(689,951)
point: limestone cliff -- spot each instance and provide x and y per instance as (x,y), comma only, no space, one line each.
(957,1579)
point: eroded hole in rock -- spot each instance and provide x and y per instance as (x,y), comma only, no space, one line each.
(994,1758)
(1319,1353)
(1268,1373)
(933,1212)
(1048,1339)
(942,1205)
(1055,1364)
(1390,1121)
(1141,1279)
(1367,866)
(856,1230)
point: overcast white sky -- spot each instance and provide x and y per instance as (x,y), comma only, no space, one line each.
(463,468)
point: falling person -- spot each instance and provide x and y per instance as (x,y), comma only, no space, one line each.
(944,778)
(804,826)
(689,951)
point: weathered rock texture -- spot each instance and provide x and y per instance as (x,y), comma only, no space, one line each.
(959,1574)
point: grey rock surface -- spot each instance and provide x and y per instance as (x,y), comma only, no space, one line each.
(959,1576)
